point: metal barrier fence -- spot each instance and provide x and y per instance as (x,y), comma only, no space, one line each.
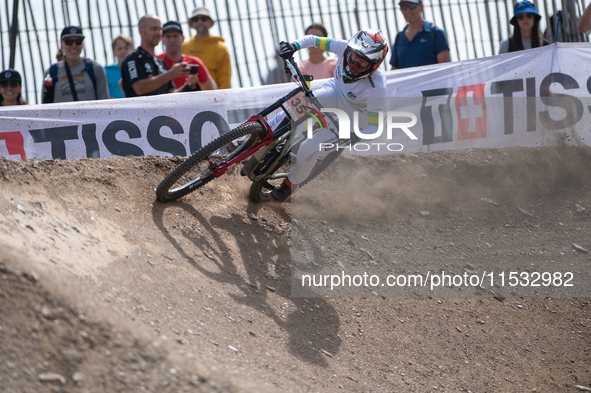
(253,29)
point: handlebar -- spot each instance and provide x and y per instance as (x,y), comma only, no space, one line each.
(295,72)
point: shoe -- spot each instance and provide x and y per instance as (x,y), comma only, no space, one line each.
(283,191)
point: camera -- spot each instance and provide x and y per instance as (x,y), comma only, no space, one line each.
(194,68)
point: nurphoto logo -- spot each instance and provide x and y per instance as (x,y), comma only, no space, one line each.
(344,128)
(344,125)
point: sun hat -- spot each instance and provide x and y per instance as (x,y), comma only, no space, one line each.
(202,11)
(524,6)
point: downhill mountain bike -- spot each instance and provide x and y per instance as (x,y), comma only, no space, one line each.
(267,153)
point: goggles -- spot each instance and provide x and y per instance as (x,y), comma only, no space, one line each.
(357,63)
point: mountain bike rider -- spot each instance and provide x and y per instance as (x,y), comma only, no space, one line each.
(358,85)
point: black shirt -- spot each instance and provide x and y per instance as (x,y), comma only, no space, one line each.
(139,65)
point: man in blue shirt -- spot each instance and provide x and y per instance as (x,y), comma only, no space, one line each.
(420,42)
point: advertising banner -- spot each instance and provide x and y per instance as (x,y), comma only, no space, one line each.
(530,98)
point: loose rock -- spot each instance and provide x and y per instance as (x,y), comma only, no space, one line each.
(526,212)
(489,201)
(78,377)
(580,249)
(52,377)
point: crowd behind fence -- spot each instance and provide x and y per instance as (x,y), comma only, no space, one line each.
(253,29)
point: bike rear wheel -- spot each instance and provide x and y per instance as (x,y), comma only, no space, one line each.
(259,192)
(197,170)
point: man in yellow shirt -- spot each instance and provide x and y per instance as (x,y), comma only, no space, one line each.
(210,49)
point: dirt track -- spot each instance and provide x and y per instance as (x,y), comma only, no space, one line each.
(113,292)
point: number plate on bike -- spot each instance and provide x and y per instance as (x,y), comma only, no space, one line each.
(299,106)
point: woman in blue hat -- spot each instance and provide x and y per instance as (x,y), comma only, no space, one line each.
(526,31)
(11,85)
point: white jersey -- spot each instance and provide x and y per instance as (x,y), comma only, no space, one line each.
(366,95)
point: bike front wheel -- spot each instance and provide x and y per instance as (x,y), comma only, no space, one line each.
(197,170)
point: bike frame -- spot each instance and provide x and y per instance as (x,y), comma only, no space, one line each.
(271,136)
(266,149)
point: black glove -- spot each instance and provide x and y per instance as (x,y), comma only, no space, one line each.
(286,50)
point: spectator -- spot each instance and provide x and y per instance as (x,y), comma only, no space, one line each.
(526,29)
(277,74)
(172,38)
(318,65)
(567,27)
(585,21)
(210,49)
(11,85)
(122,45)
(75,78)
(142,73)
(420,42)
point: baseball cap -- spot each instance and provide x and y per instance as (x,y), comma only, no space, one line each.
(201,11)
(411,1)
(172,25)
(71,31)
(10,75)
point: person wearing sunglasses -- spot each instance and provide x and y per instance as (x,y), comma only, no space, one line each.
(75,78)
(526,29)
(420,42)
(209,48)
(11,85)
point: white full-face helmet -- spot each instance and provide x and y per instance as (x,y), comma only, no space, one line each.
(366,50)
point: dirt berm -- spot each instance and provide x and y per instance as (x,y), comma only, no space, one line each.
(102,289)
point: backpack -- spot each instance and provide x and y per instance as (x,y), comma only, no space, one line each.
(48,97)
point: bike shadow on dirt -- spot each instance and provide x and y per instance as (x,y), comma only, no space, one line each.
(311,323)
